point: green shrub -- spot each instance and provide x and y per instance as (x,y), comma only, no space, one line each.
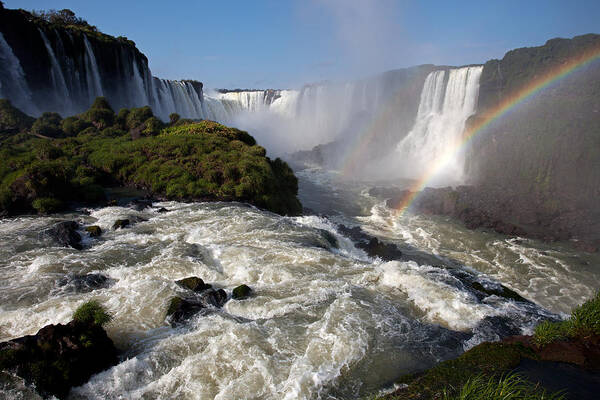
(72,126)
(153,126)
(173,118)
(507,387)
(12,119)
(47,205)
(92,312)
(121,119)
(100,114)
(48,124)
(137,116)
(45,150)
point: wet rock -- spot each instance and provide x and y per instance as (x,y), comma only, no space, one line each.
(84,283)
(354,233)
(94,230)
(370,244)
(584,352)
(180,309)
(140,204)
(66,234)
(120,224)
(501,291)
(162,210)
(330,238)
(193,283)
(496,327)
(215,298)
(376,248)
(59,356)
(241,292)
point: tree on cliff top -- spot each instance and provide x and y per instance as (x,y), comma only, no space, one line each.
(62,17)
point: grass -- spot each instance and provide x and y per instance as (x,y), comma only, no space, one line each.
(92,312)
(509,387)
(583,322)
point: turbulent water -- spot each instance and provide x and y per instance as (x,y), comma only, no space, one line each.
(324,322)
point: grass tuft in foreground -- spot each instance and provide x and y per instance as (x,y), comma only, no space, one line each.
(92,313)
(508,387)
(584,322)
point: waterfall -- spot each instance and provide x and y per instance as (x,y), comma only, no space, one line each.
(63,101)
(443,110)
(13,84)
(140,97)
(94,82)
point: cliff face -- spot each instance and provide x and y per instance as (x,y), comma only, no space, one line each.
(63,68)
(541,160)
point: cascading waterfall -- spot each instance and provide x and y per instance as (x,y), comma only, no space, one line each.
(13,84)
(62,98)
(94,82)
(440,123)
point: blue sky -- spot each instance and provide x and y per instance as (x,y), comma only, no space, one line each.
(286,43)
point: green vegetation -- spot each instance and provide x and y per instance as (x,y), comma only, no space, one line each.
(12,120)
(67,19)
(484,372)
(490,359)
(58,161)
(508,387)
(584,322)
(91,312)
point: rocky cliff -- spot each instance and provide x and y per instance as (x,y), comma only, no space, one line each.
(57,62)
(541,160)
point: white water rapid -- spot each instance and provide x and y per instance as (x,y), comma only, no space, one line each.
(324,321)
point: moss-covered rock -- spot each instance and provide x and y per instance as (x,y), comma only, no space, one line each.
(59,356)
(193,283)
(241,292)
(94,230)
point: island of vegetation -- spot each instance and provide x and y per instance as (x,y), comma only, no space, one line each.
(51,163)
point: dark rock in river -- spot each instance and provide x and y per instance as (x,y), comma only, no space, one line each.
(141,204)
(66,234)
(181,309)
(501,291)
(376,248)
(121,223)
(84,283)
(193,283)
(93,230)
(330,238)
(162,210)
(241,292)
(59,356)
(370,244)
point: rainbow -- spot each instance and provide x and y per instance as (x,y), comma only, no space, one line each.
(518,97)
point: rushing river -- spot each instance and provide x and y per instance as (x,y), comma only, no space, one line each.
(324,322)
